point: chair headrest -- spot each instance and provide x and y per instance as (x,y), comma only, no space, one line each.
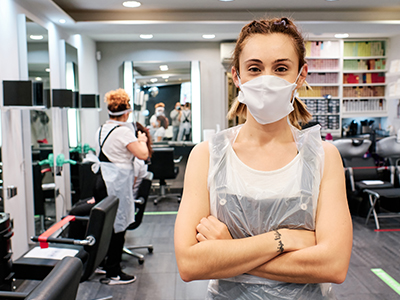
(388,147)
(352,147)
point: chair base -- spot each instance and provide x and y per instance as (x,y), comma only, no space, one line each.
(140,257)
(373,196)
(164,195)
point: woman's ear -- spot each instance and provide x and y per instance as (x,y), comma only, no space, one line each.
(302,76)
(235,76)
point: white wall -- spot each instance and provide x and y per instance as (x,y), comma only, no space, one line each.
(213,108)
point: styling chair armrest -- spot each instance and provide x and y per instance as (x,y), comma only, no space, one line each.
(12,295)
(178,160)
(57,228)
(89,241)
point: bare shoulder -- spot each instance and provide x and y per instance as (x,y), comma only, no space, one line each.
(331,152)
(200,151)
(333,160)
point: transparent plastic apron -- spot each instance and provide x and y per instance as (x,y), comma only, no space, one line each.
(119,179)
(254,214)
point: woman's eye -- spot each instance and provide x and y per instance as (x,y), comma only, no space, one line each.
(254,69)
(281,69)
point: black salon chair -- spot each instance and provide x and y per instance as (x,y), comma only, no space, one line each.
(140,207)
(387,198)
(361,173)
(60,284)
(37,263)
(163,167)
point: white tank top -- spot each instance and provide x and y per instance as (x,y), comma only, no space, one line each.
(269,183)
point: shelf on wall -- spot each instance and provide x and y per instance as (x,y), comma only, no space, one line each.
(323,71)
(323,84)
(364,71)
(363,84)
(320,98)
(364,57)
(363,98)
(327,114)
(320,57)
(367,114)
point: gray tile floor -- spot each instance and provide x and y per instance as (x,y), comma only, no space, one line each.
(158,277)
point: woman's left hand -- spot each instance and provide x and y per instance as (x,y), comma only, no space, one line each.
(211,228)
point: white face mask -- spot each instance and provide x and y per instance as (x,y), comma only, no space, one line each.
(159,111)
(268,97)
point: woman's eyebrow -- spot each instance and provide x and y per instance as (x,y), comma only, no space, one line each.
(253,60)
(279,60)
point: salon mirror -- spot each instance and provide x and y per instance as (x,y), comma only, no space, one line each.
(168,83)
(41,126)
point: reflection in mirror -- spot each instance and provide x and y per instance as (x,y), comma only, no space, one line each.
(72,83)
(41,126)
(162,99)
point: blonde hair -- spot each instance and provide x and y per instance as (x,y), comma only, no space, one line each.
(117,100)
(275,25)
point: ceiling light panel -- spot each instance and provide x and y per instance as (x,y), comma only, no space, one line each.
(131,4)
(146,36)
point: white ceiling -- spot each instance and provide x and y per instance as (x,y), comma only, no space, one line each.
(188,20)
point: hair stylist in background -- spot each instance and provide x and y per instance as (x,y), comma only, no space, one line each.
(264,211)
(175,116)
(116,149)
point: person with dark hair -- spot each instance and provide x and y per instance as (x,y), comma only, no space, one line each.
(264,212)
(161,125)
(117,147)
(140,166)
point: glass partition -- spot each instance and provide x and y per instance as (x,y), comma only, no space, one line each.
(41,126)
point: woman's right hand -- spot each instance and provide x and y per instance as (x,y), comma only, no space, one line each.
(294,239)
(142,137)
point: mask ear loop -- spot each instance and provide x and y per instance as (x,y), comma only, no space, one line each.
(240,82)
(295,82)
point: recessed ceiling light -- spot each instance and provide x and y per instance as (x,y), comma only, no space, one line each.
(36,37)
(154,80)
(165,76)
(341,35)
(208,36)
(47,69)
(226,0)
(62,21)
(131,4)
(146,36)
(38,78)
(166,80)
(164,68)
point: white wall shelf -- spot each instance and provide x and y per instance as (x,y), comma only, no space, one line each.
(363,84)
(323,71)
(364,71)
(363,57)
(354,65)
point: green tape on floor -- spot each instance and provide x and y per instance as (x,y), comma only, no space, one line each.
(158,213)
(386,278)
